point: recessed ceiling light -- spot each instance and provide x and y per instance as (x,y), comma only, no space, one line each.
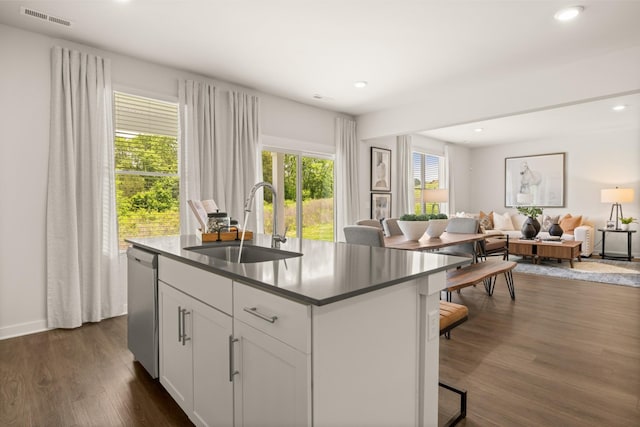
(568,13)
(619,107)
(478,129)
(360,84)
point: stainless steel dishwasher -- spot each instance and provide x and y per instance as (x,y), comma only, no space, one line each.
(142,321)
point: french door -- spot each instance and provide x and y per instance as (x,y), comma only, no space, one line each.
(305,187)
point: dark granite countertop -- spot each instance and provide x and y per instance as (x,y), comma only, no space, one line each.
(325,273)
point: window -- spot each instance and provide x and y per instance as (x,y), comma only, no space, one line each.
(307,197)
(427,174)
(146,162)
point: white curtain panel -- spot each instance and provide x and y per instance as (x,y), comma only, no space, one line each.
(219,146)
(347,191)
(405,198)
(201,154)
(241,163)
(449,156)
(82,242)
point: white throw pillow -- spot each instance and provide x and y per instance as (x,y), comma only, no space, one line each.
(517,220)
(502,221)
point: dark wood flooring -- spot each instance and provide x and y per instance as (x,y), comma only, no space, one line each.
(564,353)
(80,377)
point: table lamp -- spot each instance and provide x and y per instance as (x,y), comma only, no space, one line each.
(438,195)
(617,196)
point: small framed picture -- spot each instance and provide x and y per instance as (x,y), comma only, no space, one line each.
(380,205)
(380,169)
(611,225)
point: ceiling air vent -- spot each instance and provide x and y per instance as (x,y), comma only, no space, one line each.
(44,16)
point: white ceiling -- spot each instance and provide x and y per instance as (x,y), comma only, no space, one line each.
(581,118)
(299,48)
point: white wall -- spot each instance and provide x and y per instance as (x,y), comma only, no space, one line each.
(593,162)
(24,118)
(461,166)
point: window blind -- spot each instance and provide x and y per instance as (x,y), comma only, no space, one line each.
(146,162)
(136,114)
(426,175)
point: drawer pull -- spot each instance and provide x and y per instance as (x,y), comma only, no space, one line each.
(255,312)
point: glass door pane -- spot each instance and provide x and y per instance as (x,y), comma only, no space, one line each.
(317,199)
(281,170)
(305,198)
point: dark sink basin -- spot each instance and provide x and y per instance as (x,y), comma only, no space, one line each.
(250,253)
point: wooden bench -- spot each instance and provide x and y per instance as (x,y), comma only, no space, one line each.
(486,272)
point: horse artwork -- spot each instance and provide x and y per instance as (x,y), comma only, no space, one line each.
(535,180)
(529,181)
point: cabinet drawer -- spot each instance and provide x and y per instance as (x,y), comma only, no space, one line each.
(214,290)
(285,320)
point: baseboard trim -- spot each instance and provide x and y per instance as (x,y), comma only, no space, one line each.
(20,329)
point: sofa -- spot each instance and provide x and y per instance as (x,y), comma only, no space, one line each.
(575,227)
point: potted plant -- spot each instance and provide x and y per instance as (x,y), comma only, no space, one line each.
(531,226)
(414,226)
(626,221)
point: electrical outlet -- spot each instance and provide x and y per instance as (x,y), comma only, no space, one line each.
(434,324)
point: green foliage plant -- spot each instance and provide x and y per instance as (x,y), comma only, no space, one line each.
(628,220)
(422,217)
(530,211)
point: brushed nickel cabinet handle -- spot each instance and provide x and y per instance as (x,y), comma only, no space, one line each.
(255,312)
(179,324)
(232,371)
(185,338)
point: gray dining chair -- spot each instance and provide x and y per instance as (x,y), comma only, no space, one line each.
(464,226)
(369,222)
(391,227)
(364,235)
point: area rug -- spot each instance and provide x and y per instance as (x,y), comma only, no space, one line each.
(591,270)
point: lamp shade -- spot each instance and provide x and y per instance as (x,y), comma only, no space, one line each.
(439,195)
(616,195)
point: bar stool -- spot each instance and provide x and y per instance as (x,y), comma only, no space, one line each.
(452,315)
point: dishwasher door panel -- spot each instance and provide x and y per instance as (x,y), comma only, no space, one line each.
(142,322)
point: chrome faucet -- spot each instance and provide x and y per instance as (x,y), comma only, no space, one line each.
(276,239)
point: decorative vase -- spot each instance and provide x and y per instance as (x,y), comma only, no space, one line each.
(555,230)
(413,230)
(436,227)
(535,223)
(528,230)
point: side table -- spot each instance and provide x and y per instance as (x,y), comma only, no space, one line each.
(604,255)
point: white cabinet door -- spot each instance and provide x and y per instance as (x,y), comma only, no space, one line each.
(272,386)
(212,384)
(176,364)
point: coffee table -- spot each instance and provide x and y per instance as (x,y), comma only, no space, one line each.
(537,249)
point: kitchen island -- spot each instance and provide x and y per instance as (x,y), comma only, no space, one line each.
(342,335)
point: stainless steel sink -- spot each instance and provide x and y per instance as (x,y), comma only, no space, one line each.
(250,253)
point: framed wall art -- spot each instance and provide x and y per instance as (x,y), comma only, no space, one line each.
(534,180)
(380,169)
(380,205)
